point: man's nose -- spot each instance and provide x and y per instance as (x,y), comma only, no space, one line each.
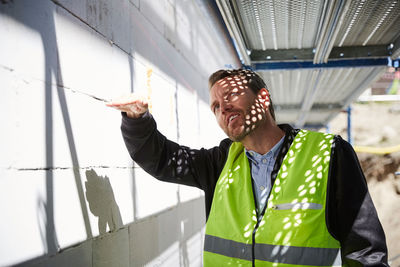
(226,106)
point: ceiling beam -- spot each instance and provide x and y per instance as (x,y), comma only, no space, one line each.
(355,52)
(234,30)
(307,54)
(343,63)
(331,24)
(321,107)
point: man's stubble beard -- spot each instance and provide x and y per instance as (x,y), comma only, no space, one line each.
(247,129)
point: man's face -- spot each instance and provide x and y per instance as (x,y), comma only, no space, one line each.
(237,109)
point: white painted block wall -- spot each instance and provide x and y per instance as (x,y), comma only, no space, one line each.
(69,193)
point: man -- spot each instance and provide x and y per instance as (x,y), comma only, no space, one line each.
(275,196)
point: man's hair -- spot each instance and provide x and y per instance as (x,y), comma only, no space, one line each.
(254,82)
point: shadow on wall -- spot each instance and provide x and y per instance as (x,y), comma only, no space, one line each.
(44,24)
(102,203)
(164,229)
(161,239)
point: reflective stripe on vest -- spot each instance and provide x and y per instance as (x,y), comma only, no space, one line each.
(273,253)
(292,230)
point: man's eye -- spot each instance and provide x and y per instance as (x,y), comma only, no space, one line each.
(215,108)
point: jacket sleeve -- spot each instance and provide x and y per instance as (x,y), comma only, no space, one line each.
(352,217)
(168,161)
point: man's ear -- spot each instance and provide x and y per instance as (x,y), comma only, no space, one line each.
(263,97)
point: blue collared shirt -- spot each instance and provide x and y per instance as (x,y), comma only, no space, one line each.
(261,169)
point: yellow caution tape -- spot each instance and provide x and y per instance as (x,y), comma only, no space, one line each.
(377,150)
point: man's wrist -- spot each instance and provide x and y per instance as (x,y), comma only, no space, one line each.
(133,115)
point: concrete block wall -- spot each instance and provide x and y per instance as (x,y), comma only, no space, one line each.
(69,193)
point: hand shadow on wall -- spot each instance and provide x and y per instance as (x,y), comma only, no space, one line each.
(102,203)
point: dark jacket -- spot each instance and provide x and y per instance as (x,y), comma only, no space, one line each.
(351,215)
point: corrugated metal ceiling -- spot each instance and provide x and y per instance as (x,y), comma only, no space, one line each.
(316,56)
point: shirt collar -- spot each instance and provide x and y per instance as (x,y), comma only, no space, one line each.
(256,157)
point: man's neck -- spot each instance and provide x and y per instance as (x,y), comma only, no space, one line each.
(263,138)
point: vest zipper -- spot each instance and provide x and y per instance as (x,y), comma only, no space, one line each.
(253,236)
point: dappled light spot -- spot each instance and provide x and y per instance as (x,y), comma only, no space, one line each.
(277,237)
(309,178)
(179,162)
(312,190)
(247,233)
(301,187)
(287,225)
(222,179)
(226,180)
(318,160)
(286,240)
(284,167)
(275,251)
(297,222)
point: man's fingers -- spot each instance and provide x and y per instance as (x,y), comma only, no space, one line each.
(134,105)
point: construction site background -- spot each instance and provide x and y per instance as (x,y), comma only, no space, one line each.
(377,124)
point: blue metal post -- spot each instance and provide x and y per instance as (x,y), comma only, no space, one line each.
(349,136)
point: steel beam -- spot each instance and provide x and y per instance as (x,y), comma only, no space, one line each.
(234,29)
(272,55)
(345,52)
(358,52)
(315,107)
(344,63)
(332,21)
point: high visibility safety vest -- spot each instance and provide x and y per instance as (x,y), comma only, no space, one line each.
(292,229)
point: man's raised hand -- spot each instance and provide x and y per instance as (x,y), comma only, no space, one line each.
(134,105)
